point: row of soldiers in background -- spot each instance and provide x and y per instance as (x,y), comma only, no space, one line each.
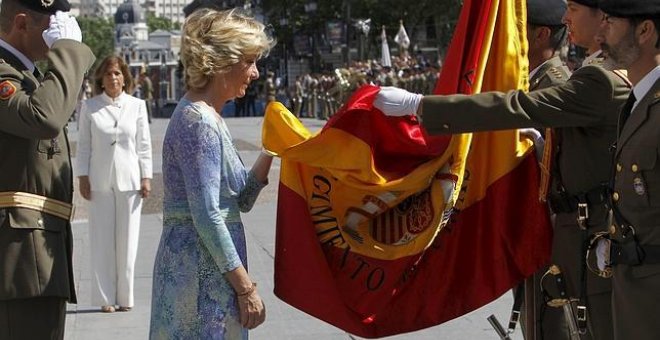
(321,95)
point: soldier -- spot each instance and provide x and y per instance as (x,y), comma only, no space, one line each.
(584,114)
(630,37)
(297,97)
(546,35)
(269,87)
(147,91)
(36,276)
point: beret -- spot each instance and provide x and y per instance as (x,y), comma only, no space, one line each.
(590,3)
(630,8)
(545,12)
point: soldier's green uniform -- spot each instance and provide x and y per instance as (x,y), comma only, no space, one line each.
(636,185)
(36,246)
(584,113)
(551,323)
(636,196)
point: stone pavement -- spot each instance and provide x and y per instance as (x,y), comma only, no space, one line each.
(283,321)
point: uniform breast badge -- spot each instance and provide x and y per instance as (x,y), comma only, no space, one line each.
(638,185)
(7,89)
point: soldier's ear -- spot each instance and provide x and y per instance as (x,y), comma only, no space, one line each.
(646,32)
(20,23)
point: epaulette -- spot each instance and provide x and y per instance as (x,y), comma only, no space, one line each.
(555,72)
(558,74)
(596,61)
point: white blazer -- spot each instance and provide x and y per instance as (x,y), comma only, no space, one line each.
(114,140)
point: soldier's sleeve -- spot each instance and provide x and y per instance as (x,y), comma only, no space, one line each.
(43,112)
(592,96)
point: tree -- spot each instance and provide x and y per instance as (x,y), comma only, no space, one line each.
(98,33)
(430,15)
(159,23)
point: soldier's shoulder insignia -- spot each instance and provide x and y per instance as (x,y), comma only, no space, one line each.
(556,72)
(7,89)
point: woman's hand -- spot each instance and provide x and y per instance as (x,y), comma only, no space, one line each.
(145,187)
(252,310)
(84,187)
(250,306)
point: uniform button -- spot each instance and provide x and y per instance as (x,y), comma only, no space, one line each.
(40,222)
(635,168)
(615,196)
(612,229)
(445,126)
(619,167)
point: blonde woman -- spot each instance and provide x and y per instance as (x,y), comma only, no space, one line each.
(201,287)
(114,173)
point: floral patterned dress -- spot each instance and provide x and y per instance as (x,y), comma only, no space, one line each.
(206,188)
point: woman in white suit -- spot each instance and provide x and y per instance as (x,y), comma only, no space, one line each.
(114,169)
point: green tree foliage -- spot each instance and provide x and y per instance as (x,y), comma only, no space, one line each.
(428,15)
(98,33)
(159,23)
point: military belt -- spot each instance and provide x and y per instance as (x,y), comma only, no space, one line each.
(51,206)
(565,203)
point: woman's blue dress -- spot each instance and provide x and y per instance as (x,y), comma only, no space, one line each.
(206,187)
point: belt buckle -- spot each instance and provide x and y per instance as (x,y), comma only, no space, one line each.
(582,319)
(581,313)
(582,215)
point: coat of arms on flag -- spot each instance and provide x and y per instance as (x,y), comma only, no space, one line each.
(383,229)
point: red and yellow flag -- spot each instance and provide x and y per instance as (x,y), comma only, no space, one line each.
(382,229)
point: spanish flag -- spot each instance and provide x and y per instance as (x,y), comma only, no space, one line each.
(382,229)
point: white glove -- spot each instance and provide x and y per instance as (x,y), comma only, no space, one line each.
(393,101)
(62,26)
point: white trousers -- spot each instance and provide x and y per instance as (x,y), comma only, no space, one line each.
(114,230)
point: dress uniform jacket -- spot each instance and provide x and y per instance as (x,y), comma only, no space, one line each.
(35,247)
(584,113)
(636,196)
(552,322)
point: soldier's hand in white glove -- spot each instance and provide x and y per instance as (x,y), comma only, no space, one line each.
(393,101)
(62,26)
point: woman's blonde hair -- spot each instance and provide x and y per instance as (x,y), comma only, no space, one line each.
(215,40)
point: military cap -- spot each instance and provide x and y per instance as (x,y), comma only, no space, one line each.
(46,6)
(589,3)
(545,12)
(631,8)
